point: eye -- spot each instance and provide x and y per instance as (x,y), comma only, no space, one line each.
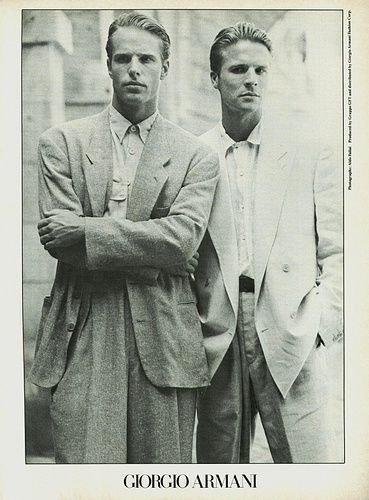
(146,59)
(122,58)
(238,69)
(261,70)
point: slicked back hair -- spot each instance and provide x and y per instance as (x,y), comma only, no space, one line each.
(132,19)
(233,34)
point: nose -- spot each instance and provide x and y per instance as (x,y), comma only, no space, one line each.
(134,68)
(251,78)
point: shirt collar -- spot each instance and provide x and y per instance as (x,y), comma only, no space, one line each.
(253,138)
(120,124)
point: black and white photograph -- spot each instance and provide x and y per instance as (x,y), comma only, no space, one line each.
(185,176)
(194,217)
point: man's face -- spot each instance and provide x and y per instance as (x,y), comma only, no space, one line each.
(136,67)
(243,75)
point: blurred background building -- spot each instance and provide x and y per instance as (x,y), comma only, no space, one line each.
(64,77)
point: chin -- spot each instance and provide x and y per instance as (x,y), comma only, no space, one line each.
(131,99)
(250,108)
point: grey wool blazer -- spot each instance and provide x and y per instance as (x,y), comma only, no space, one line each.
(166,220)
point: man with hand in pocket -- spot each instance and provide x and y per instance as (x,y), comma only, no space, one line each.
(269,278)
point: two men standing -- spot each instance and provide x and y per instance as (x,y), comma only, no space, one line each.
(126,198)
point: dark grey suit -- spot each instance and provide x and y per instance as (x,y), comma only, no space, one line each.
(121,268)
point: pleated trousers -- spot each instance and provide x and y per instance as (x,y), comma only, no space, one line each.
(297,427)
(104,409)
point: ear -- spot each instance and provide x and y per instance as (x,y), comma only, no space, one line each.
(214,79)
(164,69)
(108,64)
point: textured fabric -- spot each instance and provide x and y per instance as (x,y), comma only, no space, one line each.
(220,415)
(297,427)
(105,410)
(166,220)
(103,398)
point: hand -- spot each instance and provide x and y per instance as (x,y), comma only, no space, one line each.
(191,264)
(185,269)
(61,228)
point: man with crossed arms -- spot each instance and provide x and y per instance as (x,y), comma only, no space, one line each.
(125,198)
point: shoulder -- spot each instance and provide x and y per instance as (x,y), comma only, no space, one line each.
(315,150)
(185,142)
(211,137)
(73,130)
(300,132)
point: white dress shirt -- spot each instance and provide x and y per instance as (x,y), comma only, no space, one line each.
(241,160)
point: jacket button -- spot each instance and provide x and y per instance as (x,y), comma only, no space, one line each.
(286,268)
(70,327)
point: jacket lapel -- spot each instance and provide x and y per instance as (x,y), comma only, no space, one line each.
(222,218)
(274,165)
(150,177)
(99,167)
(151,174)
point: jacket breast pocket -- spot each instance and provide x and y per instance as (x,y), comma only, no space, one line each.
(44,314)
(159,212)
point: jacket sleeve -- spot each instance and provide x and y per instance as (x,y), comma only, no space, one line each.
(161,242)
(328,194)
(56,191)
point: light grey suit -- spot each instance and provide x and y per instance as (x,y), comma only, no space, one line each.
(297,255)
(166,220)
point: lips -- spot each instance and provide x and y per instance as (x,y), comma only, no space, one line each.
(134,84)
(249,94)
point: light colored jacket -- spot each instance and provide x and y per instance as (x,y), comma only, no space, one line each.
(297,252)
(166,219)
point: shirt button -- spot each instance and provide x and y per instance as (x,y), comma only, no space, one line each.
(133,128)
(70,327)
(242,206)
(243,237)
(131,151)
(286,268)
(241,174)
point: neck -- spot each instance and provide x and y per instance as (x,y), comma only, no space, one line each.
(134,114)
(239,125)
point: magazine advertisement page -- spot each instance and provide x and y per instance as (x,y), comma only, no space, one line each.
(185,250)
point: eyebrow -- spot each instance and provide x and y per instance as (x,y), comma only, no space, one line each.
(139,54)
(244,65)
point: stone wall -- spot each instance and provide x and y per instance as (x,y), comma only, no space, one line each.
(47,38)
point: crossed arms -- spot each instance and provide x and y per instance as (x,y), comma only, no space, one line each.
(140,248)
